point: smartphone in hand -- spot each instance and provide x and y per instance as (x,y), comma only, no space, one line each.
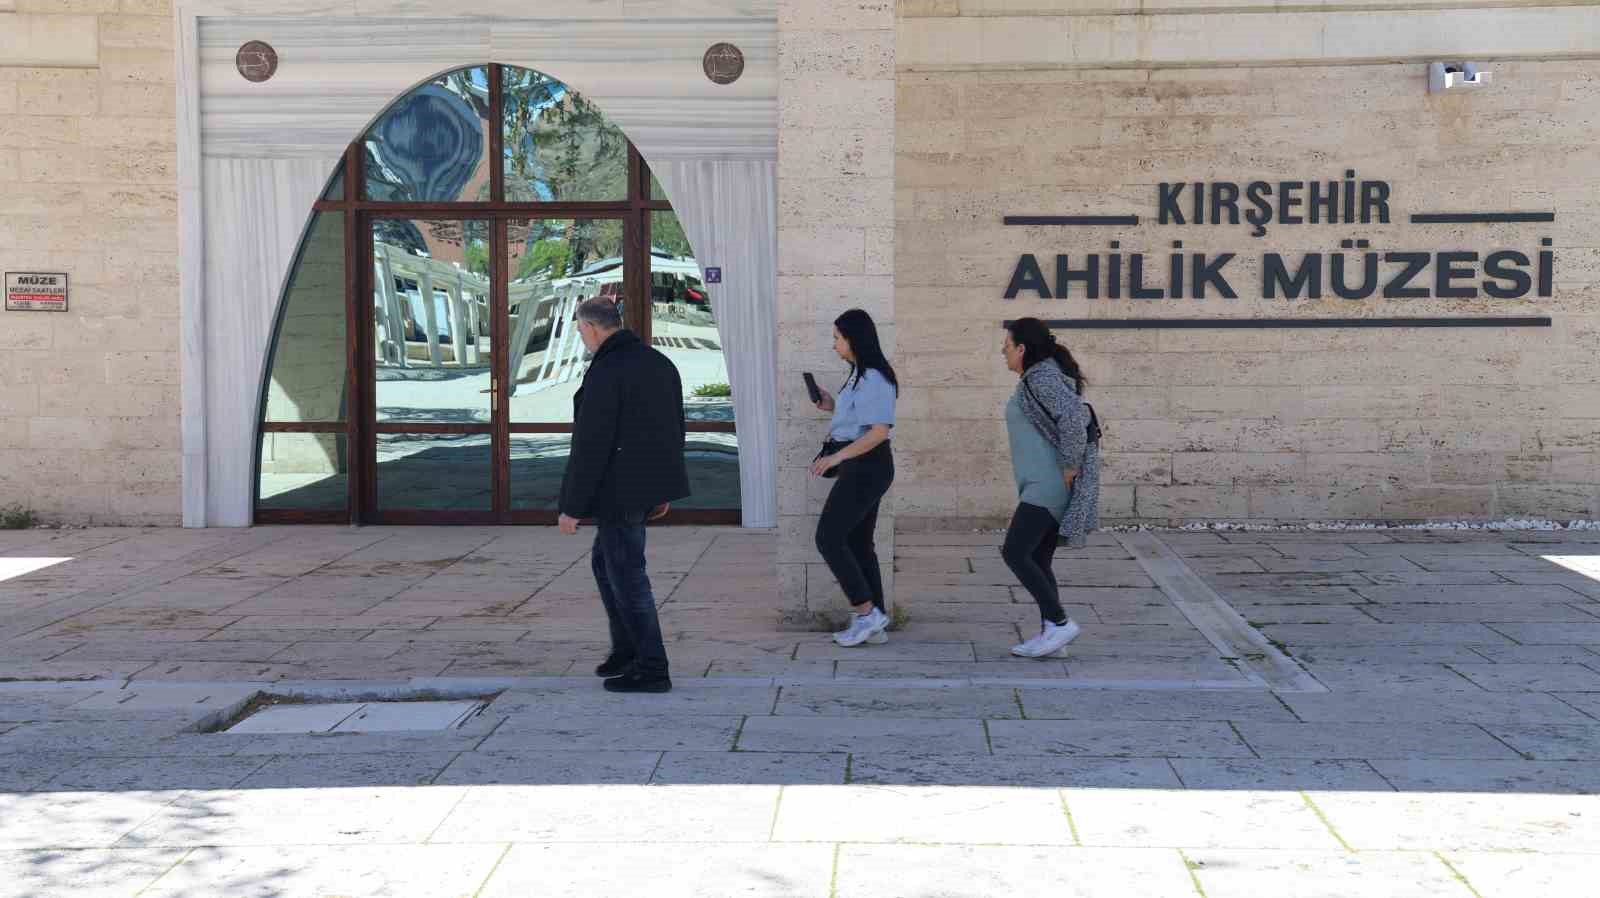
(812,388)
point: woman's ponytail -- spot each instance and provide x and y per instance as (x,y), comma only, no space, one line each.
(1039,344)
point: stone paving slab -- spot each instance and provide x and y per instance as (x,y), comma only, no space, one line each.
(105,873)
(355,871)
(933,814)
(1463,822)
(1117,704)
(756,871)
(1533,677)
(573,732)
(347,771)
(686,814)
(1429,678)
(58,820)
(751,768)
(1454,707)
(1117,739)
(549,767)
(1492,777)
(1313,874)
(1371,741)
(327,816)
(1553,634)
(152,774)
(825,734)
(869,767)
(871,871)
(1128,819)
(977,702)
(1548,875)
(1278,775)
(1552,742)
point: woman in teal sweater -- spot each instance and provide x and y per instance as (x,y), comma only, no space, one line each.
(1057,470)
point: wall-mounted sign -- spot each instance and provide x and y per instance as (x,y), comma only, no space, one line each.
(256,61)
(723,63)
(713,275)
(33,291)
(1357,270)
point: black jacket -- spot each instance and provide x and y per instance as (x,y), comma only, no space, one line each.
(627,433)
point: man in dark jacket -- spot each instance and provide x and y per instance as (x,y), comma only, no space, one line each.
(626,466)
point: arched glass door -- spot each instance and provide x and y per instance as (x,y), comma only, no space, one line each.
(458,237)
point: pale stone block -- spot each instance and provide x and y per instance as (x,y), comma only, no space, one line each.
(928,814)
(118,99)
(836,202)
(859,54)
(1197,819)
(1183,502)
(144,32)
(828,15)
(996,870)
(32,39)
(1236,468)
(1240,873)
(804,250)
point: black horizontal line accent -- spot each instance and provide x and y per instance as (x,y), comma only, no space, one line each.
(1479,217)
(1262,323)
(1070,220)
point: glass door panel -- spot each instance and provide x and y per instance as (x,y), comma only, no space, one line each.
(431,321)
(435,471)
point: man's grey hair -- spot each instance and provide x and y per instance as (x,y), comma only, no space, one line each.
(600,312)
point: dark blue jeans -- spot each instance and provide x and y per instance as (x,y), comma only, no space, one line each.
(619,571)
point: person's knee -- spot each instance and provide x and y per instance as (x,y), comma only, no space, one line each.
(827,541)
(1013,552)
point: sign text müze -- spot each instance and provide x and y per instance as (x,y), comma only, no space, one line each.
(1356,271)
(32,291)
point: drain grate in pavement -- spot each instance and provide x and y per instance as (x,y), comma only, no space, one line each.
(358,717)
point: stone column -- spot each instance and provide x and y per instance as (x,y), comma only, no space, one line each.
(835,251)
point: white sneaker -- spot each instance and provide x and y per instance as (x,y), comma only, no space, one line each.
(1053,639)
(862,628)
(1050,639)
(878,638)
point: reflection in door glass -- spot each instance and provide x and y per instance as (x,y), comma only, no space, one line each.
(431,292)
(555,264)
(304,471)
(683,325)
(558,146)
(439,471)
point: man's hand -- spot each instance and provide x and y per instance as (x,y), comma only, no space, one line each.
(569,525)
(1069,475)
(660,511)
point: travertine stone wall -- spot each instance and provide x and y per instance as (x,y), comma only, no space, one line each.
(89,399)
(1250,424)
(835,239)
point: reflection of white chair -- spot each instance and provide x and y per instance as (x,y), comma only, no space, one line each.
(467,304)
(539,307)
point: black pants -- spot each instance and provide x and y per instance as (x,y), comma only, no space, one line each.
(619,570)
(844,532)
(1029,549)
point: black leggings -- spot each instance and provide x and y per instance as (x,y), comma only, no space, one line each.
(1029,549)
(844,532)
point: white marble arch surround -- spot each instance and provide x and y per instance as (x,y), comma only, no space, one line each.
(254,157)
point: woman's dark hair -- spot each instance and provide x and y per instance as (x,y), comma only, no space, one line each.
(1039,344)
(862,335)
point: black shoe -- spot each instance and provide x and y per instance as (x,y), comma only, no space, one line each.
(632,682)
(613,667)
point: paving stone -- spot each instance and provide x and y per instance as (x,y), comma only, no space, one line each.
(324,816)
(1475,595)
(1537,654)
(1532,677)
(926,769)
(36,820)
(1046,669)
(688,696)
(1116,739)
(1553,634)
(1481,821)
(152,774)
(399,717)
(869,871)
(1242,596)
(1435,577)
(1304,874)
(1431,678)
(1587,702)
(464,739)
(1268,615)
(193,700)
(837,734)
(1541,777)
(1475,707)
(1144,704)
(353,871)
(347,771)
(612,814)
(750,768)
(896,650)
(1505,562)
(1552,742)
(1392,634)
(1277,775)
(1243,819)
(555,768)
(313,718)
(1499,612)
(1548,875)
(576,732)
(878,814)
(572,871)
(971,702)
(1387,654)
(1204,669)
(1371,740)
(24,771)
(104,873)
(1338,565)
(135,738)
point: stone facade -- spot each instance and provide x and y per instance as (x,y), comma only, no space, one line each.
(1280,424)
(835,251)
(89,400)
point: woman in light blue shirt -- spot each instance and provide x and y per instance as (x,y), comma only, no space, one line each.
(857,452)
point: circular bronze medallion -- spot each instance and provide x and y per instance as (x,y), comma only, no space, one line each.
(723,63)
(256,61)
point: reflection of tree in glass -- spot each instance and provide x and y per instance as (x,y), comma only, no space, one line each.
(666,234)
(559,146)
